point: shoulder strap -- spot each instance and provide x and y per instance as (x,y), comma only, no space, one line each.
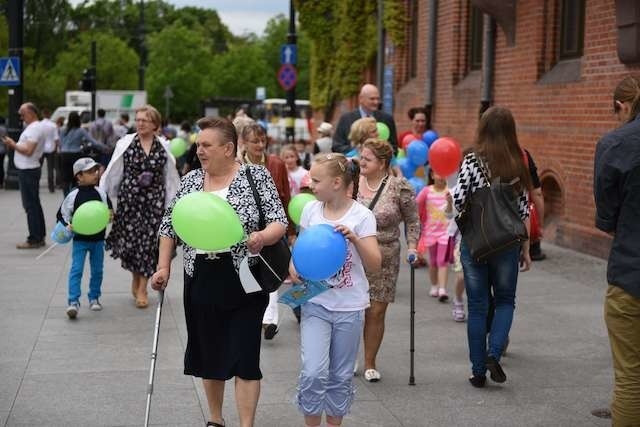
(482,170)
(378,193)
(256,196)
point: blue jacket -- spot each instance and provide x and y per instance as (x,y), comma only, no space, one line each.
(617,193)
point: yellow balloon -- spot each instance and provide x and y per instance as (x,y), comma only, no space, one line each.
(419,172)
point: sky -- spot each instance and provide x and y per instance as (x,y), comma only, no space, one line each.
(241,16)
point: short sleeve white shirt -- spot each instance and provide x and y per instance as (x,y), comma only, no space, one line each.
(50,132)
(32,133)
(350,291)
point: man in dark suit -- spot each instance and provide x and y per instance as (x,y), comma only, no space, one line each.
(368,100)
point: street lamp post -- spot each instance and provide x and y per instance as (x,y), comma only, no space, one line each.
(143,49)
(291,93)
(15,15)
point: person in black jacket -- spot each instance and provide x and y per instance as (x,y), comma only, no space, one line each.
(87,173)
(368,101)
(617,197)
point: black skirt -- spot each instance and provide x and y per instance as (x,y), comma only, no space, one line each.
(224,324)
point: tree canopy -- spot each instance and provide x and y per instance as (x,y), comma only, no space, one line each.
(188,49)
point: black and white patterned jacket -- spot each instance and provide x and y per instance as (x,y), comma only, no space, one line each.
(471,178)
(241,199)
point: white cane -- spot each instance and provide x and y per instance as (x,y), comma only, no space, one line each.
(154,355)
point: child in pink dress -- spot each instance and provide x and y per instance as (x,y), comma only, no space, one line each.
(435,210)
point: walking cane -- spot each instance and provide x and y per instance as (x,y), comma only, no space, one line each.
(412,380)
(154,355)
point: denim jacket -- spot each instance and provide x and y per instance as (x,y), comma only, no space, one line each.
(617,195)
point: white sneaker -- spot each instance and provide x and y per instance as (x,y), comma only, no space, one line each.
(94,305)
(434,291)
(72,310)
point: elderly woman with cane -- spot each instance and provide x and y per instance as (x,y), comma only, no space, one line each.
(223,322)
(392,201)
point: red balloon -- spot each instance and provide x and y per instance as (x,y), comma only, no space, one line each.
(408,138)
(445,156)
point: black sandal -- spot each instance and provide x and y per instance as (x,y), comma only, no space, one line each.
(212,424)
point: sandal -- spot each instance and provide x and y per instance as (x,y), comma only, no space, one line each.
(372,375)
(142,302)
(212,424)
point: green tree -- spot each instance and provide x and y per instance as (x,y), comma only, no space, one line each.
(46,29)
(179,58)
(239,71)
(117,68)
(275,35)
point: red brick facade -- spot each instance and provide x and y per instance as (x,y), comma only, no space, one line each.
(559,123)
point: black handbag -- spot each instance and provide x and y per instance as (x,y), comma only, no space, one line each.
(490,222)
(272,266)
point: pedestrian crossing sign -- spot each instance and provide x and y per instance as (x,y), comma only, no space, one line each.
(10,71)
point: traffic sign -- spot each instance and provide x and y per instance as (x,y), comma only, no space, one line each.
(288,54)
(10,71)
(287,76)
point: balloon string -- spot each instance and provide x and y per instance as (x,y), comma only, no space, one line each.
(47,251)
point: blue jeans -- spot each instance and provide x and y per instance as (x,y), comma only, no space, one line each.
(501,273)
(329,343)
(96,261)
(29,182)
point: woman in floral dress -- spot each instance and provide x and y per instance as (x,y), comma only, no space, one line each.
(395,204)
(142,177)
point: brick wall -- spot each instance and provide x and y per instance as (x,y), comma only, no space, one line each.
(559,123)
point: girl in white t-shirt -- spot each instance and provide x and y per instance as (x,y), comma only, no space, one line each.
(290,157)
(332,321)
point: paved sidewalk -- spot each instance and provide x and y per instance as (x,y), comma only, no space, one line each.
(94,371)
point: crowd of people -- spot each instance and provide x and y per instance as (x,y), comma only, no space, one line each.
(361,195)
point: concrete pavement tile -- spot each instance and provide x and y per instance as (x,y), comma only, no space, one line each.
(105,399)
(580,400)
(11,374)
(481,414)
(108,352)
(4,415)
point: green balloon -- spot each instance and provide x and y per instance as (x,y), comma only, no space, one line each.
(207,222)
(178,147)
(90,218)
(297,204)
(383,131)
(401,153)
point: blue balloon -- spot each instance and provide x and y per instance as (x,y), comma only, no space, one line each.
(418,153)
(407,168)
(417,184)
(393,162)
(319,252)
(430,136)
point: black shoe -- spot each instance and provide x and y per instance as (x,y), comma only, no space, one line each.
(497,374)
(538,257)
(212,424)
(270,331)
(478,381)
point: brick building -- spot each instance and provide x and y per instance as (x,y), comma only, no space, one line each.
(554,63)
